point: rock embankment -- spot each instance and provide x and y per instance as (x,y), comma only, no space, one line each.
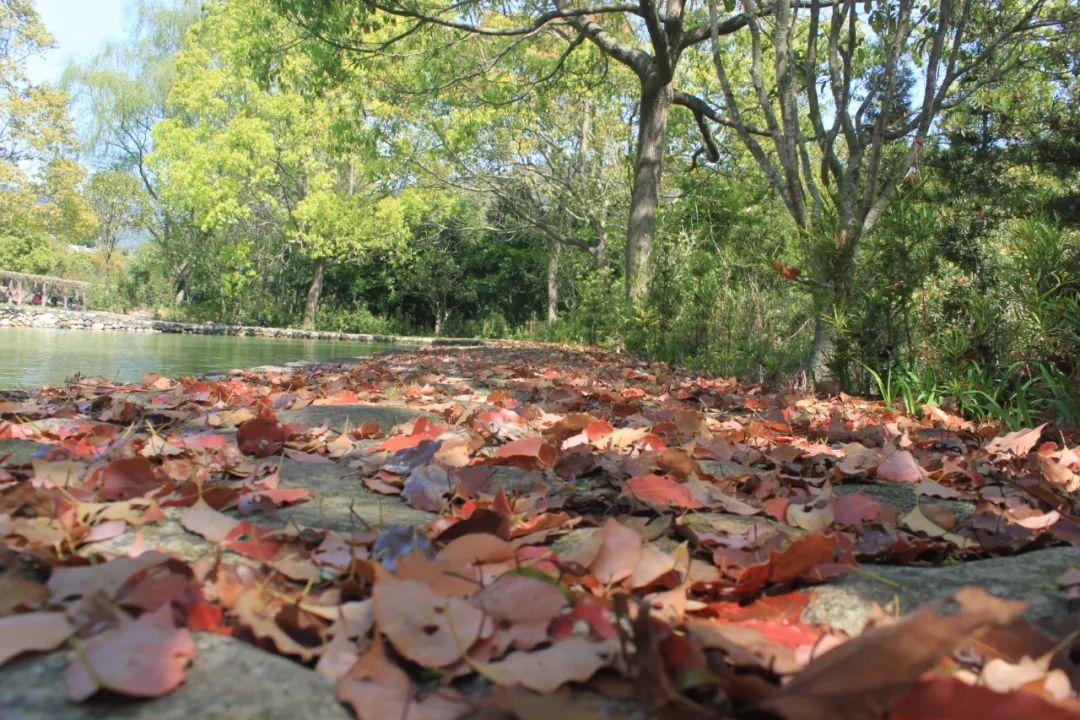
(45,317)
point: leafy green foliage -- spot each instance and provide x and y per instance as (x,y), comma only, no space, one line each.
(424,180)
(41,205)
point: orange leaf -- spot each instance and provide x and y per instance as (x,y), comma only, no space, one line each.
(658,490)
(529,452)
(789,273)
(620,550)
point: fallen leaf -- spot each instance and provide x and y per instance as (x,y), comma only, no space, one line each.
(1002,676)
(797,561)
(18,591)
(514,597)
(653,564)
(747,646)
(857,459)
(1038,522)
(32,631)
(530,452)
(1070,582)
(1018,444)
(618,554)
(815,515)
(259,614)
(141,658)
(928,486)
(417,622)
(709,495)
(595,618)
(204,520)
(900,466)
(952,699)
(426,487)
(862,677)
(376,689)
(547,670)
(918,521)
(68,583)
(938,514)
(660,491)
(124,479)
(260,437)
(565,705)
(856,509)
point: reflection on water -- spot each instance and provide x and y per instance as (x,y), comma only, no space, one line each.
(30,357)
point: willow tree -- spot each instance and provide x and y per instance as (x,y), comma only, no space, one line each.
(120,204)
(121,92)
(40,198)
(648,37)
(837,101)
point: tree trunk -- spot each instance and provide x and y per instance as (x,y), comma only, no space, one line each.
(838,299)
(553,283)
(312,305)
(180,282)
(645,195)
(819,348)
(440,318)
(600,251)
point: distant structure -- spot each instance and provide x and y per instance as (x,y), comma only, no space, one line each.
(24,289)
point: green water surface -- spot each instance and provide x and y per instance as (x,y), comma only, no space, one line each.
(31,357)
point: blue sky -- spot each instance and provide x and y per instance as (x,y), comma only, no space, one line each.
(79,27)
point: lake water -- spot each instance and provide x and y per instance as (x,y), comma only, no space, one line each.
(31,357)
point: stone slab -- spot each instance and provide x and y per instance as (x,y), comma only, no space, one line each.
(16,452)
(337,417)
(228,680)
(901,496)
(168,536)
(339,501)
(846,602)
(726,523)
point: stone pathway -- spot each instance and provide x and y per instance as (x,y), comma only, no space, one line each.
(846,603)
(228,680)
(234,680)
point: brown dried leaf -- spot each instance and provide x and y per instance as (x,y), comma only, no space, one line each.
(1018,443)
(864,677)
(377,689)
(520,599)
(204,520)
(418,622)
(620,550)
(547,670)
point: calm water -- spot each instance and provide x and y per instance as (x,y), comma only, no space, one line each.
(30,357)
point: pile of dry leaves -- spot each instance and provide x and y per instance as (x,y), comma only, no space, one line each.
(489,610)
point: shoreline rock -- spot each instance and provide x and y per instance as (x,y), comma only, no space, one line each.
(29,316)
